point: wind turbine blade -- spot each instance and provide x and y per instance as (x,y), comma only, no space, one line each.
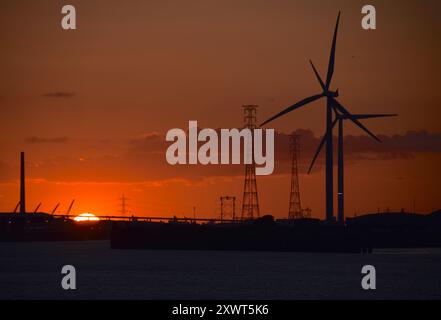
(293,107)
(372,116)
(353,118)
(332,55)
(318,76)
(322,142)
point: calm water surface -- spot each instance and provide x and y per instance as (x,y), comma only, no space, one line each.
(33,271)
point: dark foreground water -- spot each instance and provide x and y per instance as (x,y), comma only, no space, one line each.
(33,271)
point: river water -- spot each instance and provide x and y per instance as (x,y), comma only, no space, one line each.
(33,271)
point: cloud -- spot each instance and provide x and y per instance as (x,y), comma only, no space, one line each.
(7,172)
(59,94)
(144,159)
(146,138)
(150,135)
(410,142)
(358,148)
(400,145)
(36,140)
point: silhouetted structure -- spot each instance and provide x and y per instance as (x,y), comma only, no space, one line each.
(70,207)
(340,119)
(331,105)
(38,207)
(261,234)
(22,183)
(250,203)
(39,226)
(54,210)
(295,207)
(386,230)
(123,205)
(228,207)
(361,234)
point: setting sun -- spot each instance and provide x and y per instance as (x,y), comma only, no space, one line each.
(86,217)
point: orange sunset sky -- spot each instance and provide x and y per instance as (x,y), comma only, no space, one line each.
(91,107)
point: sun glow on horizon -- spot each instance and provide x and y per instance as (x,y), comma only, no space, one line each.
(86,217)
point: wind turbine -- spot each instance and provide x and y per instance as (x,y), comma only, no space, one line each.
(331,104)
(340,118)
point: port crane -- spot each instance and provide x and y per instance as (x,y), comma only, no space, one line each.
(16,207)
(38,207)
(55,209)
(70,207)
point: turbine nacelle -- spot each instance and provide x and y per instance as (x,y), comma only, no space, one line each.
(325,87)
(331,94)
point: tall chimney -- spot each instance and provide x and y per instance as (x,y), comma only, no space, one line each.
(22,184)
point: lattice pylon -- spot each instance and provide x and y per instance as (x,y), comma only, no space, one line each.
(250,203)
(295,207)
(123,210)
(228,207)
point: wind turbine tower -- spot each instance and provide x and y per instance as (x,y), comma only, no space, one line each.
(340,118)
